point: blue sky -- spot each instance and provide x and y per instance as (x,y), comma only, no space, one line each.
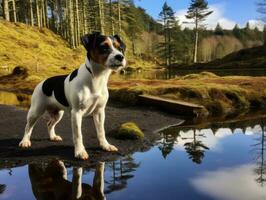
(233,11)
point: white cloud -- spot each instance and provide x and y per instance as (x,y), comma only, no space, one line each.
(236,183)
(256,23)
(218,16)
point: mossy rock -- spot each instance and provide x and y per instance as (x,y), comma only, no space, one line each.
(128,130)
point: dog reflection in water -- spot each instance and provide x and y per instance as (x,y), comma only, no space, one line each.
(50,182)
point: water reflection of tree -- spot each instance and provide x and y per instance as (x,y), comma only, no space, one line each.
(166,145)
(122,171)
(2,188)
(260,159)
(195,148)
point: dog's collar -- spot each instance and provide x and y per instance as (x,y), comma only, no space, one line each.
(89,69)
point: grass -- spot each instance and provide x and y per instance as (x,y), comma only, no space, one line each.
(42,52)
(219,95)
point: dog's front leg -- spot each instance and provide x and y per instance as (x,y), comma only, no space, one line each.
(76,119)
(99,118)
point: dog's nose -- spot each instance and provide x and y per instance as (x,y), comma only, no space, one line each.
(119,57)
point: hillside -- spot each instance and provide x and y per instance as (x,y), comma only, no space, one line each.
(39,50)
(42,52)
(251,58)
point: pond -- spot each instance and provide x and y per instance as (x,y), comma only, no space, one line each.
(173,73)
(225,161)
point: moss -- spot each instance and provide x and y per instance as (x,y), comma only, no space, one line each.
(125,95)
(128,130)
(201,75)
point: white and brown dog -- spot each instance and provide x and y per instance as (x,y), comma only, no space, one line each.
(83,92)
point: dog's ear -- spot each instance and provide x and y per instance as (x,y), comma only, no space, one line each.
(122,44)
(88,40)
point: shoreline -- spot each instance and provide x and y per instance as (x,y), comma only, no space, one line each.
(14,119)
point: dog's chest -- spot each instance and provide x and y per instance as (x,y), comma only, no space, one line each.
(92,101)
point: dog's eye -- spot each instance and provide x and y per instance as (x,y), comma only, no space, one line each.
(105,48)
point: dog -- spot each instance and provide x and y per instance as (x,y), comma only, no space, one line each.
(83,92)
(50,182)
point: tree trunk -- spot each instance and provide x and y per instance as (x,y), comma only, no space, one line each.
(85,25)
(119,16)
(101,16)
(6,10)
(31,14)
(38,13)
(111,17)
(46,14)
(71,24)
(77,24)
(196,43)
(14,10)
(43,13)
(169,46)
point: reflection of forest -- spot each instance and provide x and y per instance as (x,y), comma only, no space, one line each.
(192,138)
(2,188)
(122,170)
(260,157)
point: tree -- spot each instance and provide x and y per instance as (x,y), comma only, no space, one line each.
(111,17)
(31,13)
(195,149)
(237,31)
(167,16)
(218,30)
(264,34)
(6,10)
(262,9)
(198,11)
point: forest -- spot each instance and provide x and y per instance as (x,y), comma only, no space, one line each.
(146,38)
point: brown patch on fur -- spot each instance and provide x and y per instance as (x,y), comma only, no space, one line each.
(116,44)
(100,58)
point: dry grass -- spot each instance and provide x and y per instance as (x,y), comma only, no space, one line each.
(41,51)
(220,95)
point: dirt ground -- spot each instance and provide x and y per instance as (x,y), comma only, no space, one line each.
(13,119)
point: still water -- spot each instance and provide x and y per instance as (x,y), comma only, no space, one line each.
(223,161)
(174,73)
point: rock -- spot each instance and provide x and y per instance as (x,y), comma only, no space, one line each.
(128,130)
(19,70)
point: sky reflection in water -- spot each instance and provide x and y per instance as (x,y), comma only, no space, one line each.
(218,161)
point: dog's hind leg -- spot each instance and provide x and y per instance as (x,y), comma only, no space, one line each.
(55,117)
(33,115)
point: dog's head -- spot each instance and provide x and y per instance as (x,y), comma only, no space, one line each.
(107,51)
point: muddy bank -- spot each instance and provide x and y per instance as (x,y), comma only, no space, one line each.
(13,121)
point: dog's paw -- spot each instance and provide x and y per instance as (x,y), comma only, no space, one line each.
(82,155)
(56,138)
(25,144)
(110,148)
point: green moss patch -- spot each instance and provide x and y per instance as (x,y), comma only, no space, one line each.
(128,131)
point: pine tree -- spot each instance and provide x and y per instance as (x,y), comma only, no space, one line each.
(264,34)
(237,31)
(134,28)
(218,30)
(167,16)
(262,9)
(198,11)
